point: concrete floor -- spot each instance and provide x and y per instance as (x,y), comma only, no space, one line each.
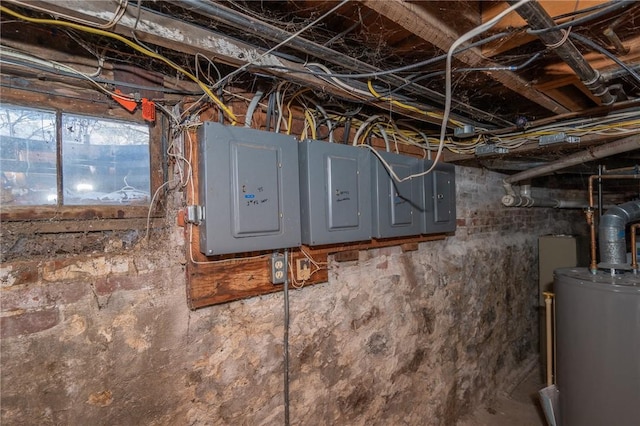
(521,407)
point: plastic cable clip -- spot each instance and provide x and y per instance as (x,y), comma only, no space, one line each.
(148,110)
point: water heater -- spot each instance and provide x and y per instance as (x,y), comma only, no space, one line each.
(598,352)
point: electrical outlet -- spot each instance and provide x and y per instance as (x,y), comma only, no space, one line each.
(278,268)
(303,269)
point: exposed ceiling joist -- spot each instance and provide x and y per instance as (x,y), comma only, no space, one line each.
(179,35)
(170,33)
(429,28)
(513,20)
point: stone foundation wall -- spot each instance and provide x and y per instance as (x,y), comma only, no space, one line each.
(415,338)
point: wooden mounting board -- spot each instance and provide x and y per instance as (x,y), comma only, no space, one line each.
(243,277)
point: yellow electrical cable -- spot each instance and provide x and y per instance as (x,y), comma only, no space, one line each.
(131,44)
(409,107)
(309,120)
(290,118)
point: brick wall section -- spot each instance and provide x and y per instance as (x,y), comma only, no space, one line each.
(415,338)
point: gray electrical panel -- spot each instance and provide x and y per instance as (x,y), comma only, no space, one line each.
(248,187)
(440,198)
(398,207)
(335,193)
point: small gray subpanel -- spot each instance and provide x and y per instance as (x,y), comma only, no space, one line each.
(335,193)
(398,207)
(248,185)
(440,198)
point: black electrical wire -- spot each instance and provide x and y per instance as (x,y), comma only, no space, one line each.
(605,52)
(496,68)
(579,21)
(585,10)
(346,113)
(403,68)
(331,127)
(347,130)
(270,106)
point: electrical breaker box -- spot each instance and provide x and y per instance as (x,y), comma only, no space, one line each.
(440,198)
(398,207)
(248,187)
(335,193)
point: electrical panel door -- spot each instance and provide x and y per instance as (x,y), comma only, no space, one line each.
(335,193)
(440,197)
(248,187)
(398,207)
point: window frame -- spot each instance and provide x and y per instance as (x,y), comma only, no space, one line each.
(98,106)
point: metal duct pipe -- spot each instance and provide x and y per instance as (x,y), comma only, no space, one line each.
(613,249)
(539,19)
(627,144)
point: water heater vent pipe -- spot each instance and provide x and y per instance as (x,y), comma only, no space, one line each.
(611,238)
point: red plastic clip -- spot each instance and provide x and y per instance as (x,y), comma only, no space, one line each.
(128,104)
(148,110)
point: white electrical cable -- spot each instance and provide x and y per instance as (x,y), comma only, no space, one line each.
(385,137)
(464,38)
(448,97)
(252,107)
(339,83)
(328,121)
(363,127)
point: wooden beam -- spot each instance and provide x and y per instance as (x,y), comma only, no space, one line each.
(178,35)
(431,29)
(553,87)
(84,226)
(553,7)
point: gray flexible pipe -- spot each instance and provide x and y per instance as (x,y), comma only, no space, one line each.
(611,238)
(252,108)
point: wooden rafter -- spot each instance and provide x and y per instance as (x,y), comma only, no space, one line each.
(432,30)
(513,20)
(154,28)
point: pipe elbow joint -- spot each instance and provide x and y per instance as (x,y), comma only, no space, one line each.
(613,250)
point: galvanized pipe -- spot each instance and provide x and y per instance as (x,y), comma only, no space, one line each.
(538,19)
(627,144)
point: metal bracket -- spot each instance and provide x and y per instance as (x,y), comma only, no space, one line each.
(194,214)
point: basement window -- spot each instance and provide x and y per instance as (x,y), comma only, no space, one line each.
(55,159)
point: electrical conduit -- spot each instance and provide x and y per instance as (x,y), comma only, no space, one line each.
(538,19)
